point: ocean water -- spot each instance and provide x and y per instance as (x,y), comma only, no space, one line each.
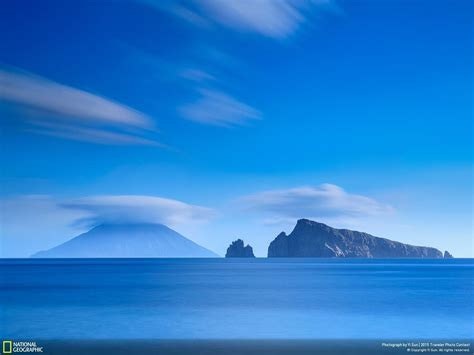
(132,299)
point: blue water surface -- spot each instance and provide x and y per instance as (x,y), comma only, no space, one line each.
(239,298)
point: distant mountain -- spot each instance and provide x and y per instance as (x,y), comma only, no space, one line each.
(238,250)
(127,241)
(313,239)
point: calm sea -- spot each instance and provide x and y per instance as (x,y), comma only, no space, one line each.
(272,299)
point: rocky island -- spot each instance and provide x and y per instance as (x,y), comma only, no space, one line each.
(238,250)
(313,239)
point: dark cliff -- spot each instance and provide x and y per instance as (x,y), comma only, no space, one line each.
(313,239)
(238,250)
(447,255)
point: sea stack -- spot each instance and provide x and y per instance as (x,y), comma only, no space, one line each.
(313,239)
(238,250)
(447,255)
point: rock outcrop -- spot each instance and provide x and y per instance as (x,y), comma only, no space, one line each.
(238,250)
(447,255)
(313,239)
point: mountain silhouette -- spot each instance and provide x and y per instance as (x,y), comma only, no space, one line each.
(142,240)
(314,239)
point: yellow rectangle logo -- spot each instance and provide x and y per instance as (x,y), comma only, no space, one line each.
(7,347)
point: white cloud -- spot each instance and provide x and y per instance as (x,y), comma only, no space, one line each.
(272,18)
(196,75)
(55,109)
(35,222)
(137,209)
(219,109)
(326,201)
(91,135)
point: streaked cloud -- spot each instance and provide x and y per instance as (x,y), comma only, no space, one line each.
(196,75)
(51,108)
(271,18)
(321,202)
(219,109)
(277,19)
(29,211)
(29,223)
(88,134)
(137,209)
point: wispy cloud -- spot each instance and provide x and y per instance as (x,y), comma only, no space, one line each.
(137,209)
(33,211)
(218,109)
(48,107)
(276,19)
(272,18)
(89,134)
(30,223)
(324,201)
(196,75)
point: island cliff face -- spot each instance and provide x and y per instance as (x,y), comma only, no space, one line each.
(313,239)
(238,250)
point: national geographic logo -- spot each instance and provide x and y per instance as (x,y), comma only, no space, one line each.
(10,346)
(7,346)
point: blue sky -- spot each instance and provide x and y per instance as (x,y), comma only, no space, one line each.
(228,119)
